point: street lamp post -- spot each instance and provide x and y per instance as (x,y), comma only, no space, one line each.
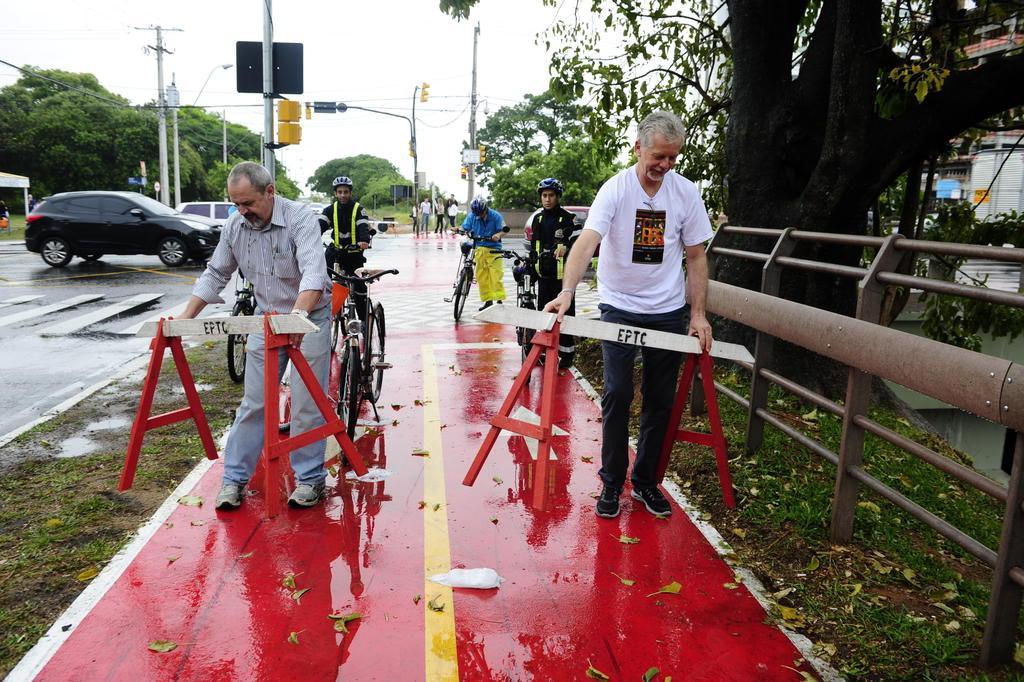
(224,115)
(341,108)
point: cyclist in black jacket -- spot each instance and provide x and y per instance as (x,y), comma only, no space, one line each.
(350,228)
(554,232)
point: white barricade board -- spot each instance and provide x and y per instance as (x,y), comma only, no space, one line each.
(236,324)
(609,331)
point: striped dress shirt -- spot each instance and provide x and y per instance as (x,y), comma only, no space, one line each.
(280,260)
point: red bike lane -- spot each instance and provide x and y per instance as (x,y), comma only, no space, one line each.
(226,588)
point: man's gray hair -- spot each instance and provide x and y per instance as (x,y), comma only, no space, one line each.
(258,176)
(663,123)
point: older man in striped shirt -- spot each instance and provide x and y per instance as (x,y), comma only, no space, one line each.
(276,243)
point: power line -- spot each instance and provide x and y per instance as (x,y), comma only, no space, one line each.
(67,85)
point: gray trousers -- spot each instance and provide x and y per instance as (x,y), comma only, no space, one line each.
(658,389)
(245,441)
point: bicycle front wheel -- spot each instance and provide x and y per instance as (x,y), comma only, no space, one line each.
(236,347)
(350,395)
(374,358)
(462,291)
(524,335)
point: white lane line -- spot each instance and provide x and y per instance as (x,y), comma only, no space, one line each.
(82,321)
(47,309)
(7,302)
(170,312)
(804,645)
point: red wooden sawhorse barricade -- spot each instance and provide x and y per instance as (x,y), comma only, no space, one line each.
(547,342)
(274,446)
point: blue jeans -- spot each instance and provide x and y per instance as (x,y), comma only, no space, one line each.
(658,389)
(245,441)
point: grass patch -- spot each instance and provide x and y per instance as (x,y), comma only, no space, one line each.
(899,602)
(16,230)
(60,517)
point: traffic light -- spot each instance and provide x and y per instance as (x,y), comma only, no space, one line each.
(483,153)
(288,129)
(424,91)
(464,173)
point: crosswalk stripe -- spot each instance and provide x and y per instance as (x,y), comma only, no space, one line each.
(82,321)
(170,312)
(47,309)
(18,299)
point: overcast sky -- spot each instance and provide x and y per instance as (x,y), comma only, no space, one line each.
(368,53)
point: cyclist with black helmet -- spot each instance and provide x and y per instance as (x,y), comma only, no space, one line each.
(485,226)
(554,232)
(350,227)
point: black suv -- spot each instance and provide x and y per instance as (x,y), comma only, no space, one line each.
(90,224)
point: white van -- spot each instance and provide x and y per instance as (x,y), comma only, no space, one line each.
(218,210)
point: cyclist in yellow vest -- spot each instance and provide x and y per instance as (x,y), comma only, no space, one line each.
(350,227)
(554,232)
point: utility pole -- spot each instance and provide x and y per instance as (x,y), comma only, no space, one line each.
(415,158)
(173,101)
(268,89)
(161,105)
(472,121)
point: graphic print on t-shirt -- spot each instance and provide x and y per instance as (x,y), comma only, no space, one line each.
(649,236)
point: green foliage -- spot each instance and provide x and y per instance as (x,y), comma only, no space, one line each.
(363,169)
(66,140)
(531,125)
(956,320)
(580,166)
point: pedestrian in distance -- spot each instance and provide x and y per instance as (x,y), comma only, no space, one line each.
(350,237)
(439,216)
(554,231)
(31,203)
(5,216)
(486,226)
(645,218)
(453,212)
(276,242)
(425,208)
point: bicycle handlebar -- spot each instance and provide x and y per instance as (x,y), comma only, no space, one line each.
(371,277)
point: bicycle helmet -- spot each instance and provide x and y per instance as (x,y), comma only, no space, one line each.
(479,205)
(341,180)
(550,183)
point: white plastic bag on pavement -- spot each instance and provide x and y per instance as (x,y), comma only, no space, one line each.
(478,578)
(371,476)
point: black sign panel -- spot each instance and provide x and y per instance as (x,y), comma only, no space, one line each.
(325,107)
(287,67)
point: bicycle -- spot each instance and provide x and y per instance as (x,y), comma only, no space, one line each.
(245,304)
(464,275)
(524,272)
(360,347)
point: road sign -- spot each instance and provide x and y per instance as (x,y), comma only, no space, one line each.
(287,60)
(137,180)
(470,156)
(325,107)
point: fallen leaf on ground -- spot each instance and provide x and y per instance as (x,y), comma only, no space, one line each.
(494,520)
(341,620)
(420,452)
(172,559)
(53,523)
(870,506)
(497,480)
(191,500)
(595,674)
(397,407)
(420,403)
(422,504)
(198,522)
(811,416)
(437,506)
(672,588)
(739,532)
(416,599)
(650,674)
(813,564)
(661,517)
(625,581)
(162,646)
(394,422)
(804,676)
(730,586)
(371,432)
(293,638)
(289,580)
(246,555)
(297,594)
(436,605)
(588,459)
(791,616)
(88,574)
(626,540)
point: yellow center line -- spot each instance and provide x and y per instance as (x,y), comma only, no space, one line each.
(442,663)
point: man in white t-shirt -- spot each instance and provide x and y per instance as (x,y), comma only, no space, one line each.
(645,218)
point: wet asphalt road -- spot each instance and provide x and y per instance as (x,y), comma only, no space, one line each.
(39,370)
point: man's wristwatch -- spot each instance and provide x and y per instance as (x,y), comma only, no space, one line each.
(301,312)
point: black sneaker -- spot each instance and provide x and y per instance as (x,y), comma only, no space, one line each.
(653,500)
(608,504)
(486,305)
